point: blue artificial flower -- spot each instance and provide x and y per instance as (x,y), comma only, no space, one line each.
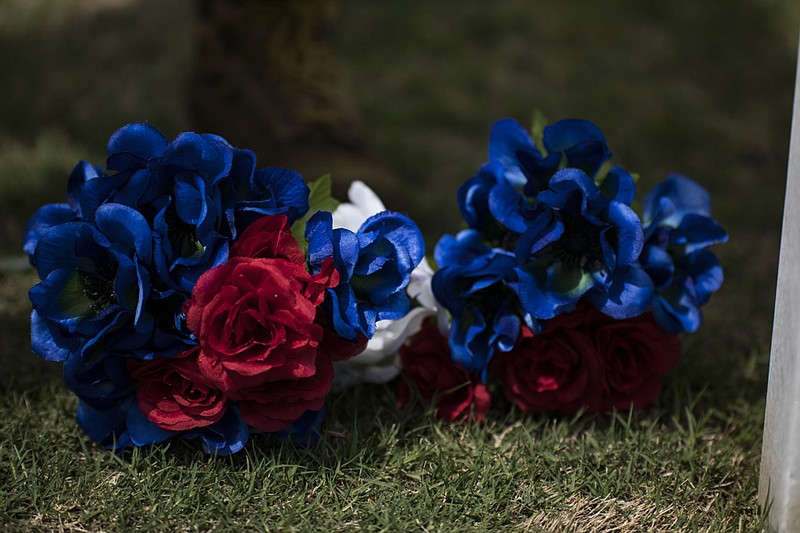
(374,266)
(570,143)
(581,243)
(185,189)
(473,199)
(270,191)
(133,152)
(477,285)
(97,373)
(193,209)
(678,229)
(501,200)
(93,276)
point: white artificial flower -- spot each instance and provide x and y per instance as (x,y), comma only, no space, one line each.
(363,204)
(379,362)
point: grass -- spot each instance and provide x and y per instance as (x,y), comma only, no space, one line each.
(384,469)
(696,87)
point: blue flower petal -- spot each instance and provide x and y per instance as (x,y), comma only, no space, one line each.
(42,221)
(81,173)
(619,186)
(507,138)
(342,308)
(469,345)
(305,431)
(134,145)
(56,249)
(461,249)
(473,196)
(324,242)
(401,232)
(700,231)
(659,265)
(125,226)
(191,200)
(629,237)
(208,156)
(106,427)
(509,207)
(673,198)
(567,133)
(540,233)
(677,309)
(583,144)
(47,340)
(566,182)
(227,436)
(706,272)
(629,294)
(142,432)
(532,296)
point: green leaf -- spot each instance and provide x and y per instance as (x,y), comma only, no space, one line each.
(602,173)
(537,129)
(319,199)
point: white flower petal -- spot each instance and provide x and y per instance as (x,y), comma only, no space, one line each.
(363,204)
(364,197)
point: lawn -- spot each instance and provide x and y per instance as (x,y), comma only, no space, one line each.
(700,88)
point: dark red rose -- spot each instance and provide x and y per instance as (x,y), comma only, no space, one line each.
(428,367)
(173,393)
(255,320)
(558,370)
(636,354)
(586,359)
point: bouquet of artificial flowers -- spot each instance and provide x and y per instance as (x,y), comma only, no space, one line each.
(557,289)
(189,294)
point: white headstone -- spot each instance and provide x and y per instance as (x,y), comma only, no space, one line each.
(779,484)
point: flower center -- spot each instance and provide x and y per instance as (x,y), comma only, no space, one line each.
(181,234)
(98,286)
(580,244)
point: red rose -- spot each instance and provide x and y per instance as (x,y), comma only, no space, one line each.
(586,359)
(276,405)
(173,393)
(268,237)
(428,366)
(636,354)
(558,370)
(254,318)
